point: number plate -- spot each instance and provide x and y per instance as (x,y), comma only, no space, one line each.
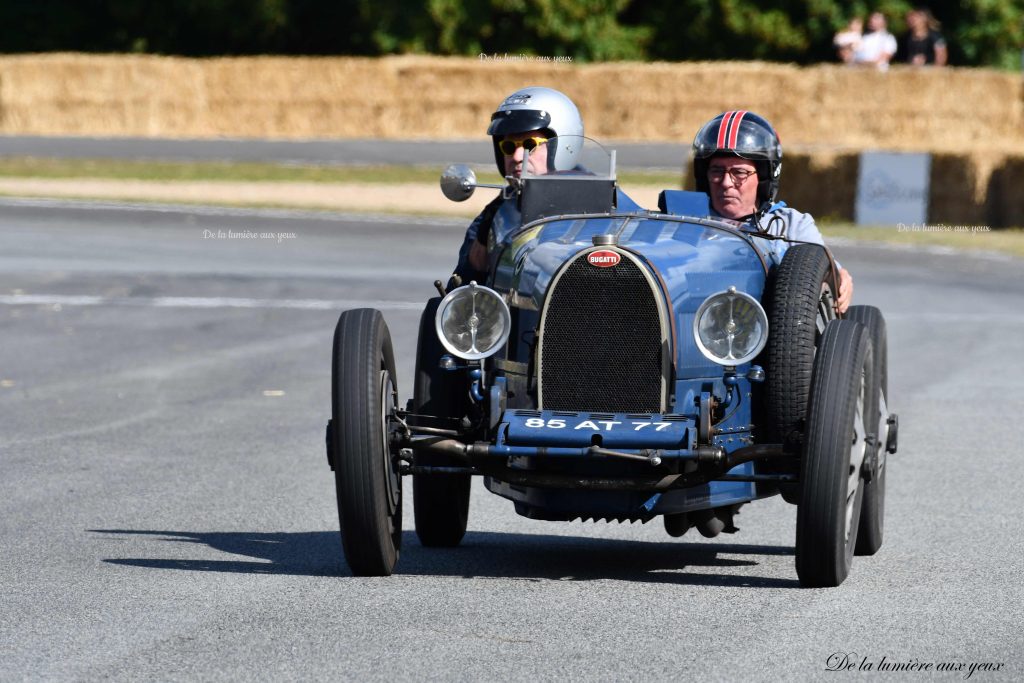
(619,430)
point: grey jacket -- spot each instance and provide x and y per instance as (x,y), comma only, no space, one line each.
(781,220)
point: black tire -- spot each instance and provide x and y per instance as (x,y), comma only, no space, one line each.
(367,481)
(799,307)
(872,513)
(831,470)
(440,501)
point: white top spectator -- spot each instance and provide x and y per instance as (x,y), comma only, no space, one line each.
(877,47)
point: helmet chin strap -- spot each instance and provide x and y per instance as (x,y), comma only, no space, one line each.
(759,213)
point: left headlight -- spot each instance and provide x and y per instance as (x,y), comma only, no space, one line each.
(473,321)
(730,327)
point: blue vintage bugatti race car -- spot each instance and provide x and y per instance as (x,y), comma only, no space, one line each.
(620,364)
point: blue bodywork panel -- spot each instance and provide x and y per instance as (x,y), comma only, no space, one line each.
(681,203)
(689,259)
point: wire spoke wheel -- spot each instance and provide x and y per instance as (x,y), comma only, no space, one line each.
(856,460)
(832,458)
(367,481)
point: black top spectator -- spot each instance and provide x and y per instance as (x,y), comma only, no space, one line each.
(923,44)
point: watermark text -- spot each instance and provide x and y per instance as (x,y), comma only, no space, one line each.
(247,235)
(940,227)
(851,661)
(520,57)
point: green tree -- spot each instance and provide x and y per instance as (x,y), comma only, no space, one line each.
(983,32)
(979,32)
(782,30)
(587,30)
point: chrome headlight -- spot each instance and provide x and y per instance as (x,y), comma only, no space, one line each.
(473,321)
(730,327)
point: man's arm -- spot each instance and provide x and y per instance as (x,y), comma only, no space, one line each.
(472,263)
(801,227)
(845,290)
(478,256)
(941,53)
(886,53)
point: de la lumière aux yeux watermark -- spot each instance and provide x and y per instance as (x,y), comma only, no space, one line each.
(851,661)
(941,227)
(247,235)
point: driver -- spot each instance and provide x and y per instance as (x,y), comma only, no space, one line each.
(728,152)
(525,120)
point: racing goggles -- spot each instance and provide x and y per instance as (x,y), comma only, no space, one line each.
(509,147)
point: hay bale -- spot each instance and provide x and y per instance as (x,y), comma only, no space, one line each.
(434,97)
(822,183)
(824,114)
(954,179)
(1004,207)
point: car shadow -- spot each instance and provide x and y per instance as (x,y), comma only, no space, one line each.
(481,555)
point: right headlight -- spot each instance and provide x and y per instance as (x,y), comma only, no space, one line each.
(473,322)
(730,327)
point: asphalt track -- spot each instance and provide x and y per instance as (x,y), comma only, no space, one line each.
(166,510)
(311,152)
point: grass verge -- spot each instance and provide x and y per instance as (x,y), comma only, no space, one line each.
(1007,241)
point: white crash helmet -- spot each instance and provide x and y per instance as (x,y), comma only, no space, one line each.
(536,108)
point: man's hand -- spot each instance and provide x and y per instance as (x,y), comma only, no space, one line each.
(845,290)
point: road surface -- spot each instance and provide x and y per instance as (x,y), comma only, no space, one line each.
(167,513)
(312,152)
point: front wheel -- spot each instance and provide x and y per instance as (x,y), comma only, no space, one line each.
(832,458)
(368,485)
(800,304)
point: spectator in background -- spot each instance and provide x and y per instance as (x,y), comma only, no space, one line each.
(878,46)
(923,44)
(847,40)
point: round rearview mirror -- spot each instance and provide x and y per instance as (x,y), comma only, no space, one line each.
(458,182)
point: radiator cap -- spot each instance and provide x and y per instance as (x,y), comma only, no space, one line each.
(605,240)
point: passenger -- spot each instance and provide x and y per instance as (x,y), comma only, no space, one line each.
(737,161)
(526,119)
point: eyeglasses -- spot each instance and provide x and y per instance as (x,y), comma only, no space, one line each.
(509,147)
(739,175)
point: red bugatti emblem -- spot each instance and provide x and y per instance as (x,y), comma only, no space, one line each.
(603,258)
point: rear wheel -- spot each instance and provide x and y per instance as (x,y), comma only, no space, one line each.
(440,501)
(872,514)
(833,455)
(367,482)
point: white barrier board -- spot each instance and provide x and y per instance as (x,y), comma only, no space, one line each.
(892,188)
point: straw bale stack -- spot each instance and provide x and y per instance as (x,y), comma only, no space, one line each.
(972,119)
(433,97)
(1004,199)
(296,98)
(59,94)
(821,183)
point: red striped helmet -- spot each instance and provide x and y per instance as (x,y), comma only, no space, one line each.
(742,134)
